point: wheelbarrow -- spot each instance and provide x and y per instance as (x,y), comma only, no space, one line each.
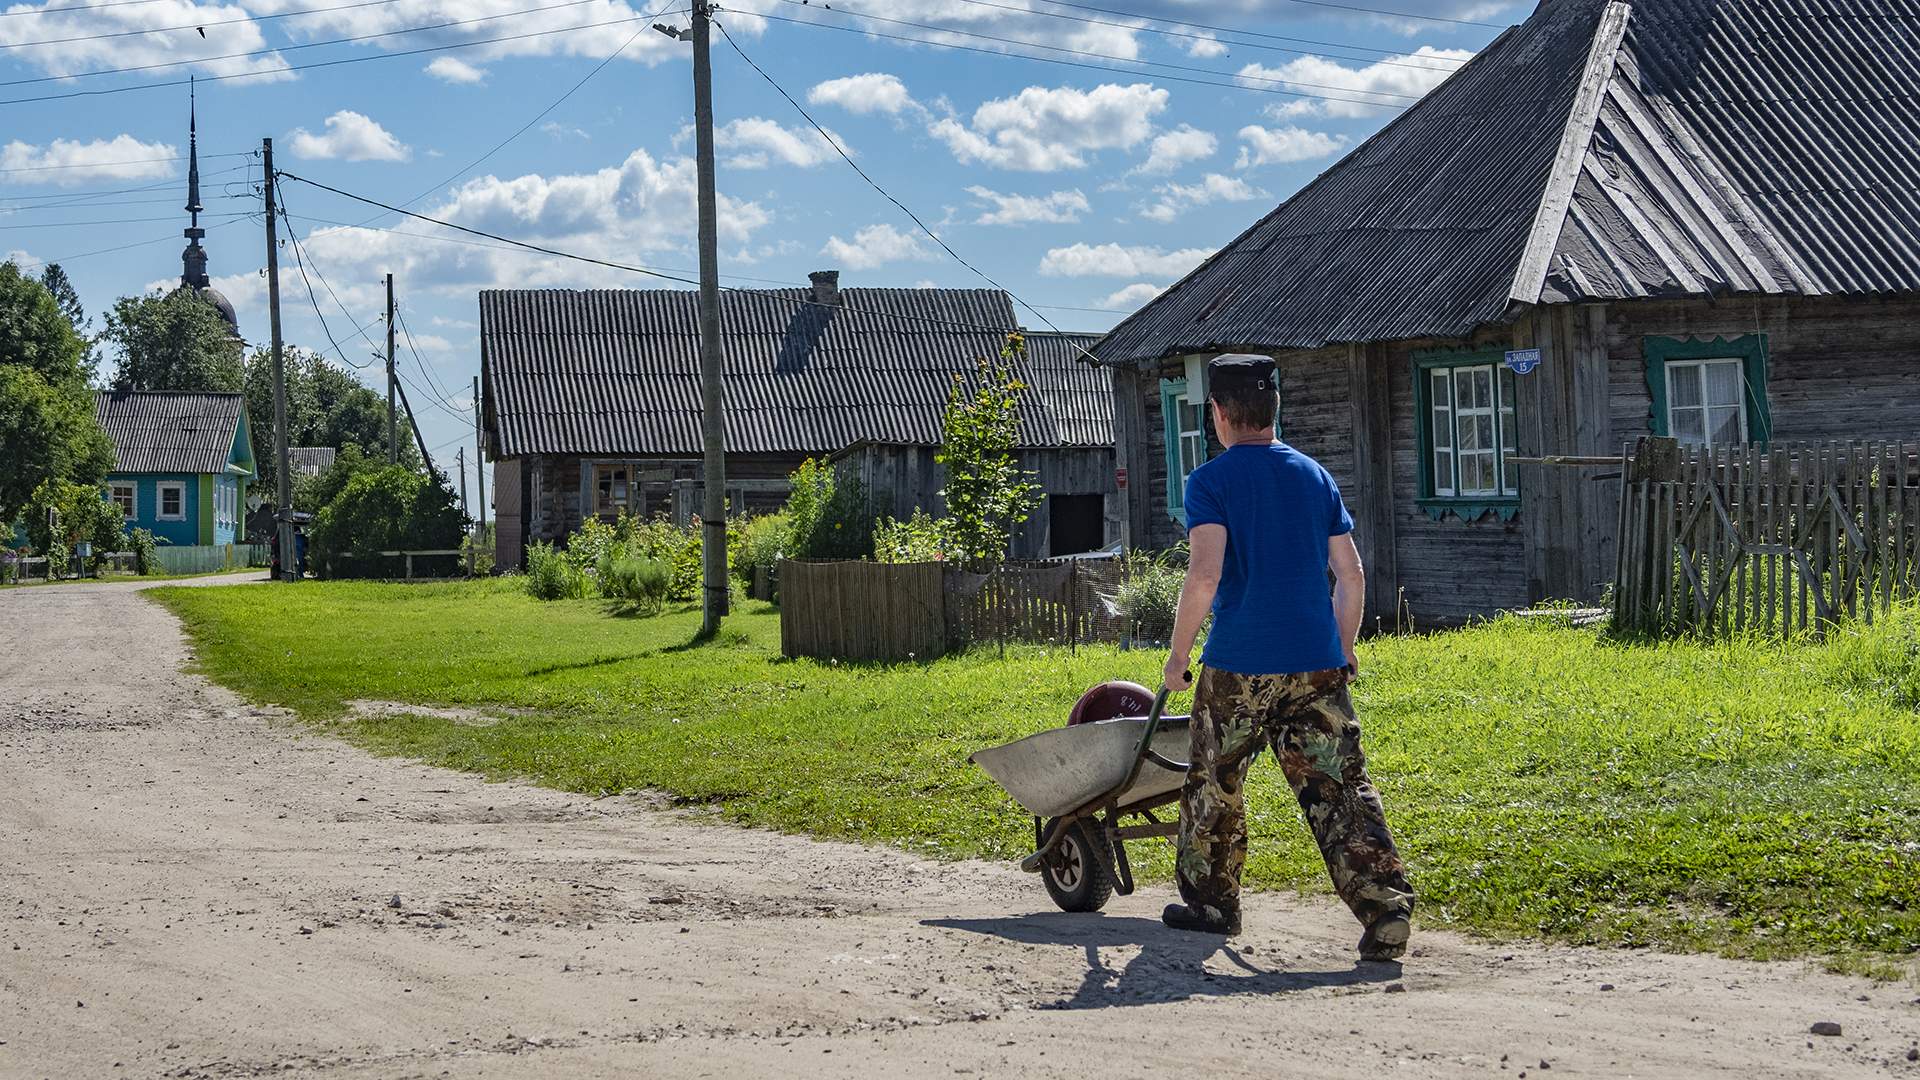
(1081,783)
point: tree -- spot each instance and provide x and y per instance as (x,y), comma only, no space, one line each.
(61,514)
(987,492)
(326,406)
(173,341)
(391,508)
(48,429)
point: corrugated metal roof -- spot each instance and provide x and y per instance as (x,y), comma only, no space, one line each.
(311,460)
(617,371)
(1766,146)
(170,432)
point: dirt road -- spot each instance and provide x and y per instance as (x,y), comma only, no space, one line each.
(191,888)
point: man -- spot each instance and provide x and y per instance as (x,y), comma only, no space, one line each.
(1264,524)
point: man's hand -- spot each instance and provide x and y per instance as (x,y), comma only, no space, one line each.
(1178,675)
(1353,666)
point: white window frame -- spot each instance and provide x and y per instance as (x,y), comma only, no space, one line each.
(1445,422)
(1696,369)
(131,509)
(160,500)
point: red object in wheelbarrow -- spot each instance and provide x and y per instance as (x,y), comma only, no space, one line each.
(1081,781)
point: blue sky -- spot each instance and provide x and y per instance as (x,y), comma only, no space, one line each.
(1083,189)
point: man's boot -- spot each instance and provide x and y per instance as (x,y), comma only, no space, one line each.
(1386,939)
(1182,917)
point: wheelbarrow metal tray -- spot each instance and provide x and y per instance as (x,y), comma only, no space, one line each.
(1062,770)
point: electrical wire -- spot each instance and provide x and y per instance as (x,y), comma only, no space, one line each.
(300,261)
(1163,31)
(398,54)
(445,399)
(129,161)
(278,49)
(843,10)
(1062,62)
(195,26)
(17,12)
(883,192)
(107,221)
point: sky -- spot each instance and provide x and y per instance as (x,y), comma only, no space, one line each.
(1082,155)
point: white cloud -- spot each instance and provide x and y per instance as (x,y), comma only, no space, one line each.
(94,40)
(1271,146)
(623,213)
(755,142)
(1370,90)
(873,92)
(1056,208)
(590,29)
(23,259)
(1129,297)
(1204,44)
(875,245)
(1119,260)
(1044,129)
(1172,149)
(455,70)
(564,131)
(66,162)
(350,136)
(1177,199)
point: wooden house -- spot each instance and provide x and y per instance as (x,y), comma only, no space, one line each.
(591,402)
(182,463)
(1685,218)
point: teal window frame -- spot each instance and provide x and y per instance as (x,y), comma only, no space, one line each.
(1465,507)
(1749,349)
(1171,390)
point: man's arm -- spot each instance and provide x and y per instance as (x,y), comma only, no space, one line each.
(1206,553)
(1349,592)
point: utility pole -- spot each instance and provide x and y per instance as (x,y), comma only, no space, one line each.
(393,421)
(713,513)
(460,456)
(282,482)
(479,454)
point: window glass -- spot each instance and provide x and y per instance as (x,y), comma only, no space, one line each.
(1471,423)
(614,486)
(123,498)
(1706,402)
(172,501)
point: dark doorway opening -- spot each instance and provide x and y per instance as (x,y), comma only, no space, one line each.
(1076,523)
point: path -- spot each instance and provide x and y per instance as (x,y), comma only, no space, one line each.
(190,888)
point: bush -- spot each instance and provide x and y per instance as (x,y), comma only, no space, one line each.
(920,538)
(477,550)
(551,575)
(1149,593)
(391,508)
(828,515)
(9,566)
(142,543)
(61,514)
(760,544)
(639,583)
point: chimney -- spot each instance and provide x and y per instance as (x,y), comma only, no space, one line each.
(826,286)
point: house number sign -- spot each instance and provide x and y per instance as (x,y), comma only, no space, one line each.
(1523,361)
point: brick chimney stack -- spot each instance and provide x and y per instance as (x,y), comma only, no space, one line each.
(826,286)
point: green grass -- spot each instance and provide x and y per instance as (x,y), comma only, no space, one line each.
(1749,798)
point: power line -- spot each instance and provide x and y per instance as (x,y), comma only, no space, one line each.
(647,271)
(1176,33)
(131,246)
(328,63)
(194,26)
(1255,33)
(75,7)
(105,221)
(6,211)
(1062,62)
(1118,59)
(276,50)
(875,185)
(107,164)
(445,400)
(300,261)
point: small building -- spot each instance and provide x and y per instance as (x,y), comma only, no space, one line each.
(182,463)
(1682,218)
(309,461)
(591,401)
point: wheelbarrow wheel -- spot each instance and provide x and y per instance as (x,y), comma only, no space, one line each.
(1076,871)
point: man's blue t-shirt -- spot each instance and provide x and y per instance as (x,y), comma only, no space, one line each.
(1273,613)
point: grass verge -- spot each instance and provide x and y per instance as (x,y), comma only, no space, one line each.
(1751,798)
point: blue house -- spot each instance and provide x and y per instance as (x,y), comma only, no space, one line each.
(183,463)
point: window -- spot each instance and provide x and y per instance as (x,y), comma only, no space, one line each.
(1709,393)
(173,502)
(615,491)
(1185,415)
(123,498)
(1467,432)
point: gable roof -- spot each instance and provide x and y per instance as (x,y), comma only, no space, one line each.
(1602,150)
(170,432)
(311,460)
(618,371)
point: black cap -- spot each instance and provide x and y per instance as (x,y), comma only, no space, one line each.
(1240,371)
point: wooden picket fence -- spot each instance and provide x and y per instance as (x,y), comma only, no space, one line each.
(1780,540)
(869,611)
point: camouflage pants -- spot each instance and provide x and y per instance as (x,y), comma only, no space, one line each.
(1309,722)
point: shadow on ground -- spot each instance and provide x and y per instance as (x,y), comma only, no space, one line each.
(1171,964)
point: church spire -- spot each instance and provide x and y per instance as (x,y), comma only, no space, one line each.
(193,271)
